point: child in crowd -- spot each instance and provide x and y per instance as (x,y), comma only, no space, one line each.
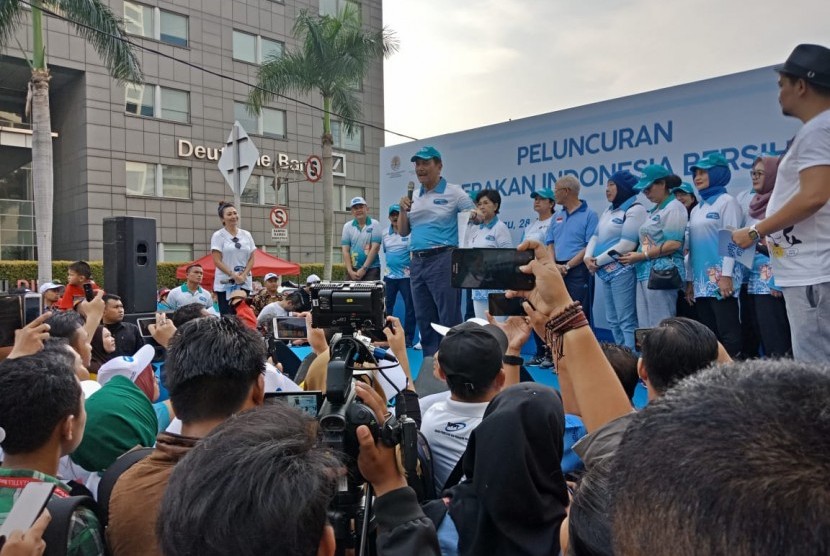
(79,274)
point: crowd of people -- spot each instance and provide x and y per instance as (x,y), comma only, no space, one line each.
(180,447)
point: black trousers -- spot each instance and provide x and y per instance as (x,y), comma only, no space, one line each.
(750,334)
(773,324)
(721,317)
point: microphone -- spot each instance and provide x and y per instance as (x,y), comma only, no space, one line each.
(410,188)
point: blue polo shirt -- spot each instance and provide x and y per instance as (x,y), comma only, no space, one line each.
(359,241)
(570,233)
(396,248)
(433,219)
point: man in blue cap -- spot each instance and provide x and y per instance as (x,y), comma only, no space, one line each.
(797,223)
(431,217)
(396,274)
(360,243)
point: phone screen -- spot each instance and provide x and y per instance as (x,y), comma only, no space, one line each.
(491,269)
(614,255)
(308,402)
(143,324)
(89,293)
(11,318)
(290,328)
(501,306)
(27,508)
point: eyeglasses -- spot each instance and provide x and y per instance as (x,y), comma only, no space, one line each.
(236,243)
(757,174)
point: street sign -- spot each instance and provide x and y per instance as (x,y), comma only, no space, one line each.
(280,235)
(279,217)
(313,168)
(238,160)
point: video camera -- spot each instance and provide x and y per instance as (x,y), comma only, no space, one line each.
(355,310)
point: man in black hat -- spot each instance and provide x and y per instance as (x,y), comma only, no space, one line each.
(797,223)
(469,359)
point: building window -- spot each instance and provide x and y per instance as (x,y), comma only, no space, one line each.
(158,180)
(345,193)
(353,142)
(262,190)
(175,252)
(270,122)
(154,101)
(154,23)
(333,7)
(255,49)
(279,250)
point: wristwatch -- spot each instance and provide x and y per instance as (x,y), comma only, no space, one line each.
(753,233)
(513,360)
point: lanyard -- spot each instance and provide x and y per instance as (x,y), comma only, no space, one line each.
(21,482)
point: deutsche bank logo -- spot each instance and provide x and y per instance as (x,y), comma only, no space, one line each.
(454,427)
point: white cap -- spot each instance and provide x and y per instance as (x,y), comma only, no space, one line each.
(271,275)
(312,279)
(49,286)
(442,330)
(357,201)
(129,367)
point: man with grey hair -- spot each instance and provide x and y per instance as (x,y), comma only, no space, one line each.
(568,236)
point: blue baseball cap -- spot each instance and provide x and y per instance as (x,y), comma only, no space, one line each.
(684,187)
(714,159)
(651,174)
(425,153)
(543,193)
(395,208)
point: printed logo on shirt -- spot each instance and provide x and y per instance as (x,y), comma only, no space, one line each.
(490,238)
(453,427)
(713,216)
(440,202)
(369,230)
(617,220)
(655,218)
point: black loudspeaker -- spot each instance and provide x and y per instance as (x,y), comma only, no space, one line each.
(130,261)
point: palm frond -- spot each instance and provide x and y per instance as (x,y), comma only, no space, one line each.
(106,33)
(290,72)
(10,16)
(345,104)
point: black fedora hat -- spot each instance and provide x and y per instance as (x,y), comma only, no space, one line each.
(810,62)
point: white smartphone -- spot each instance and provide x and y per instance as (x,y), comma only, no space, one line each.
(27,507)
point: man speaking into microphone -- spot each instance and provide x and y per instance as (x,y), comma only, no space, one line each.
(430,215)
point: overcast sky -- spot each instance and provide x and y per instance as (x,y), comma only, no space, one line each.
(468,63)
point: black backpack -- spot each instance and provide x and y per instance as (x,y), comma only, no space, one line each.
(110,477)
(57,532)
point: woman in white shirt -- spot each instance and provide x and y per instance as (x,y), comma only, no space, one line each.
(490,232)
(233,254)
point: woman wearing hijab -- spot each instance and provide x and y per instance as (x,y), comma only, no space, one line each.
(714,280)
(233,254)
(618,233)
(514,496)
(103,346)
(766,300)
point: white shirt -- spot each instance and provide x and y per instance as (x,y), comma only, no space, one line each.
(801,254)
(234,258)
(181,296)
(447,426)
(270,311)
(538,230)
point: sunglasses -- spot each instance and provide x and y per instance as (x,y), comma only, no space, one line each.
(236,243)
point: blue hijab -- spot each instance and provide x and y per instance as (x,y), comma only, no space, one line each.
(719,176)
(625,182)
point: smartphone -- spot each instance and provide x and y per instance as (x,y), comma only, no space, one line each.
(16,311)
(614,254)
(640,335)
(309,401)
(27,508)
(89,293)
(501,306)
(491,269)
(145,322)
(290,328)
(32,307)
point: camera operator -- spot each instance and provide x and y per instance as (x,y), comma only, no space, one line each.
(264,471)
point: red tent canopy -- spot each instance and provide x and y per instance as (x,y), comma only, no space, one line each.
(263,264)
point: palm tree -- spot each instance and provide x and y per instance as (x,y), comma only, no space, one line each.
(335,54)
(96,23)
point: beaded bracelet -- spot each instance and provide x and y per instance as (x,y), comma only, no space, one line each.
(570,318)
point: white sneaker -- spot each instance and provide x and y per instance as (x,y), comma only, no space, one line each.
(417,346)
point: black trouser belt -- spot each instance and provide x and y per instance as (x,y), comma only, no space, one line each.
(425,253)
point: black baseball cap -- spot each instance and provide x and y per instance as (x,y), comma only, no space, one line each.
(469,354)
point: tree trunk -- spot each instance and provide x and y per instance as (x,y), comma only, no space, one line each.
(328,208)
(42,174)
